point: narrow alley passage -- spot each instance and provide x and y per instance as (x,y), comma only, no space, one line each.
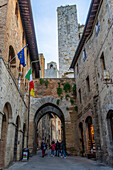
(57,163)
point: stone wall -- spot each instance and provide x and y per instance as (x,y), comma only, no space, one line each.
(67,37)
(12,35)
(11,99)
(96,97)
(45,101)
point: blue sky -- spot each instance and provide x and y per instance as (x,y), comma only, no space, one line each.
(45,20)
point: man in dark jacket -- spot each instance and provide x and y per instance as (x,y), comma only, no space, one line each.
(63,148)
(43,148)
(57,148)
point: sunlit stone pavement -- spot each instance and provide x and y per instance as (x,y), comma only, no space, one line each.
(57,163)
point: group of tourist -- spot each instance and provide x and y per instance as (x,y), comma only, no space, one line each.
(57,149)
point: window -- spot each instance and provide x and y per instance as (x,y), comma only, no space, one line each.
(51,66)
(102,62)
(97,28)
(84,54)
(88,84)
(80,98)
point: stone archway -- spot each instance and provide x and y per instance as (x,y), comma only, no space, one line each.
(42,106)
(5,132)
(110,125)
(48,108)
(90,136)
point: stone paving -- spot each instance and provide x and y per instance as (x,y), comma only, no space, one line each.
(57,163)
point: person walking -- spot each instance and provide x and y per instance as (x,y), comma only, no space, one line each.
(63,148)
(57,148)
(43,148)
(53,145)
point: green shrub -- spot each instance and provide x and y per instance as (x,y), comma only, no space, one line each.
(66,96)
(41,81)
(67,87)
(72,101)
(46,83)
(74,88)
(59,90)
(58,101)
(61,98)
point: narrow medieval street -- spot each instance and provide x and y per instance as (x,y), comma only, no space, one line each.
(56,84)
(57,163)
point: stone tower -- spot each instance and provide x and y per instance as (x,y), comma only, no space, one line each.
(67,38)
(51,71)
(42,65)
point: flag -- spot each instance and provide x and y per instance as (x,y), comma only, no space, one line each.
(28,76)
(21,57)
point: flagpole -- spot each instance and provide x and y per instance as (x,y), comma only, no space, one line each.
(16,55)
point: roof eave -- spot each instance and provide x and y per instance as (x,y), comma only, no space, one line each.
(27,20)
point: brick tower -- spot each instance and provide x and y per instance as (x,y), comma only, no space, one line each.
(67,38)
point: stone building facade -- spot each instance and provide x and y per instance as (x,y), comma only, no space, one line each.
(49,129)
(67,38)
(44,130)
(56,129)
(14,35)
(92,59)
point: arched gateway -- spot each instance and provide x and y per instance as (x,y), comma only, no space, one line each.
(46,105)
(47,108)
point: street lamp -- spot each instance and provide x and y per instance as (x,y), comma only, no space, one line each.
(107,77)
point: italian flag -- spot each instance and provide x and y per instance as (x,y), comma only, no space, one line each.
(28,76)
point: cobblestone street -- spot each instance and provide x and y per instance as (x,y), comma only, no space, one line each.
(56,163)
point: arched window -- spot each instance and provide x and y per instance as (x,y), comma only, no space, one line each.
(103,66)
(51,66)
(11,55)
(110,124)
(12,64)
